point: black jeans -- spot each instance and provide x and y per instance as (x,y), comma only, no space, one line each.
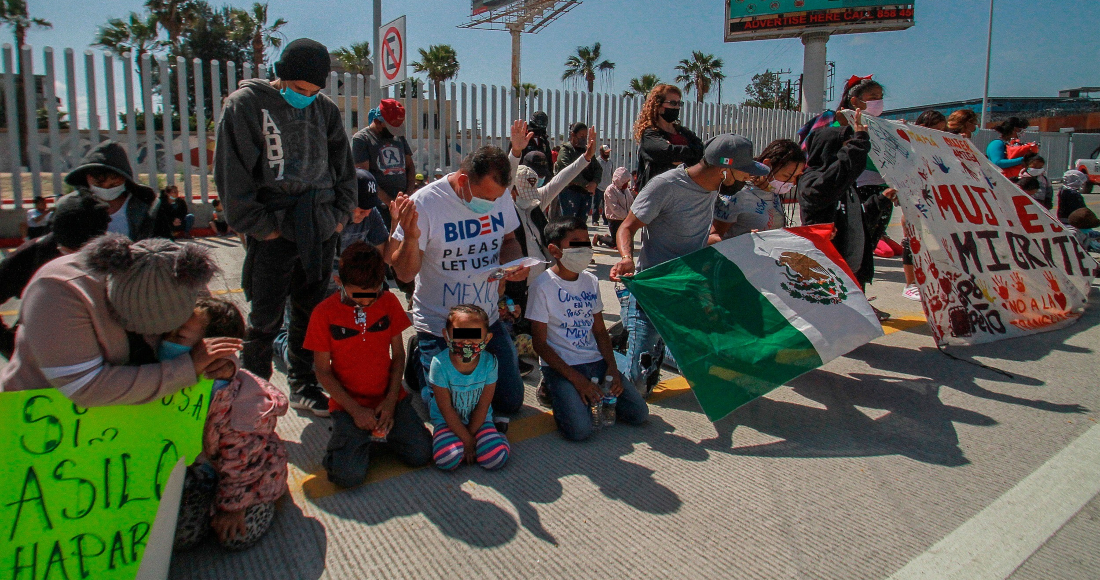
(272,273)
(348,455)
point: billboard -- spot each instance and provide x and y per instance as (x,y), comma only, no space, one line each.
(480,6)
(769,19)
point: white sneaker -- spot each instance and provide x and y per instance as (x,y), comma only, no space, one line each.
(912,292)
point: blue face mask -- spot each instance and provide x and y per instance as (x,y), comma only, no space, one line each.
(476,204)
(296,99)
(541,181)
(170,350)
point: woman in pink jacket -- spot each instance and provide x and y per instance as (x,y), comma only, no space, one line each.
(617,199)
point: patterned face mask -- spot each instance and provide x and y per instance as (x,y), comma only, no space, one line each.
(467,351)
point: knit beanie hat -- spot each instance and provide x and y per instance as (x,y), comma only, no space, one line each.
(152,285)
(304,60)
(1083,219)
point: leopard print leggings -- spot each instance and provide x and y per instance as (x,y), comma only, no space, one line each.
(193,524)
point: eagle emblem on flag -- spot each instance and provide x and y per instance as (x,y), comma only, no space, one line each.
(810,281)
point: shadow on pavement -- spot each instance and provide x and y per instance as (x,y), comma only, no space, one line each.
(292,533)
(466,505)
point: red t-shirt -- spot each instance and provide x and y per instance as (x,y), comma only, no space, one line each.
(360,350)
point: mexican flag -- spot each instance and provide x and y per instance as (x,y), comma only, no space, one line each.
(750,313)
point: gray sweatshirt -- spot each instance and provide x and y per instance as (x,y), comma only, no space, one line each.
(278,168)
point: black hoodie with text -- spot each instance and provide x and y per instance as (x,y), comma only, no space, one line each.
(282,169)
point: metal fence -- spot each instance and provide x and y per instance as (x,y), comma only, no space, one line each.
(1059,150)
(124,99)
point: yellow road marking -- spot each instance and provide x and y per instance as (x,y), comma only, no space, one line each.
(317,486)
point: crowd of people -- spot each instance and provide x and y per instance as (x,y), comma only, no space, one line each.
(330,225)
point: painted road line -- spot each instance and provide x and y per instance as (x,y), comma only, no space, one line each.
(316,485)
(994,543)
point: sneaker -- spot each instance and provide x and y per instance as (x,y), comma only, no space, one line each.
(912,292)
(311,399)
(543,395)
(525,368)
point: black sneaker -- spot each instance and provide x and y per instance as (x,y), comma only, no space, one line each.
(543,395)
(311,399)
(525,368)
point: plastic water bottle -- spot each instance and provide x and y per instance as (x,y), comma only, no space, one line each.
(597,409)
(621,292)
(608,402)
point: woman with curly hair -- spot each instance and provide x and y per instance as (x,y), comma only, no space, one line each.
(962,122)
(662,142)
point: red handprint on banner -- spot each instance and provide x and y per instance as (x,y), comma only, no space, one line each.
(1058,296)
(1001,286)
(1018,283)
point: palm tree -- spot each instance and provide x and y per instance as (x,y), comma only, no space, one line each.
(698,73)
(172,15)
(136,35)
(526,89)
(253,25)
(585,64)
(355,58)
(640,86)
(440,63)
(14,14)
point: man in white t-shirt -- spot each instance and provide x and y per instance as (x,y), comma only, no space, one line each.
(451,234)
(569,335)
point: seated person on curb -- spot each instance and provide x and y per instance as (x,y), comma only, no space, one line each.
(570,337)
(463,379)
(355,336)
(233,486)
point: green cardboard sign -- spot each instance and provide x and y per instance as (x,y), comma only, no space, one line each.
(80,488)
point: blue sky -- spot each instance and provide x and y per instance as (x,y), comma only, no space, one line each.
(1039,46)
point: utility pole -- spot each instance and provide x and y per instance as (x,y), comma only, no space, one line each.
(988,55)
(813,72)
(375,80)
(516,30)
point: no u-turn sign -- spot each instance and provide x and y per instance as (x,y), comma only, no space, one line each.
(391,52)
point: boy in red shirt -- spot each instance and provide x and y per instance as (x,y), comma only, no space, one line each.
(355,336)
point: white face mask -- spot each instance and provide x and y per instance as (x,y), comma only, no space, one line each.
(780,187)
(1036,171)
(107,193)
(874,108)
(576,259)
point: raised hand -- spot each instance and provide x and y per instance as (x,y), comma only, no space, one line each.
(857,124)
(593,140)
(403,213)
(520,137)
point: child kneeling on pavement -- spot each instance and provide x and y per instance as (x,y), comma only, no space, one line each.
(567,326)
(355,336)
(233,486)
(463,379)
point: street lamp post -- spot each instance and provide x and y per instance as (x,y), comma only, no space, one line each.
(988,55)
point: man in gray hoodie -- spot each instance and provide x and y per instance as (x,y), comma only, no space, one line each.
(284,170)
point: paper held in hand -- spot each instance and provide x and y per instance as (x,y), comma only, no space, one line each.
(506,269)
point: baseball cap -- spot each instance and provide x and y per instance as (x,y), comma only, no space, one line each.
(734,152)
(368,189)
(536,160)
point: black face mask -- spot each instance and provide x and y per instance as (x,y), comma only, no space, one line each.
(670,115)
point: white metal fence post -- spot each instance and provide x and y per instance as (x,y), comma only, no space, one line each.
(56,160)
(12,119)
(31,118)
(200,131)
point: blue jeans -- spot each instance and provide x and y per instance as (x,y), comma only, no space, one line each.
(575,202)
(185,224)
(645,348)
(573,415)
(508,397)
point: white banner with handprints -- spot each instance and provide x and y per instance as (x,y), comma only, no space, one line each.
(991,262)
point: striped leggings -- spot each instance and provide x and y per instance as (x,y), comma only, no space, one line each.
(448,450)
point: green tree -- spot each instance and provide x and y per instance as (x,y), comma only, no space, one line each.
(213,35)
(640,86)
(252,23)
(174,16)
(766,90)
(526,89)
(439,63)
(136,35)
(355,58)
(14,14)
(699,73)
(586,64)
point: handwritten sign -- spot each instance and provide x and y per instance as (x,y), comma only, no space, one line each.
(80,488)
(990,261)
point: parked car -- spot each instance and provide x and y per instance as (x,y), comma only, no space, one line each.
(1091,168)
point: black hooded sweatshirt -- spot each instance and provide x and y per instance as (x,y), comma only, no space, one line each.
(282,169)
(145,215)
(826,191)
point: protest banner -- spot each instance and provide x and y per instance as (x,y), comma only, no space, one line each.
(80,488)
(990,261)
(763,308)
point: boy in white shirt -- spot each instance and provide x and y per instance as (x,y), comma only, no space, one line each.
(567,326)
